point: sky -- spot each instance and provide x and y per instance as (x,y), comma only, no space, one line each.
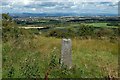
(59,6)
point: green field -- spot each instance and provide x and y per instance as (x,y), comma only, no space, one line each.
(101,25)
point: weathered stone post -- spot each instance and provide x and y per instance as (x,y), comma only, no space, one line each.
(66,52)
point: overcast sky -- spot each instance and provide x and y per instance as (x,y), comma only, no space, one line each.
(59,6)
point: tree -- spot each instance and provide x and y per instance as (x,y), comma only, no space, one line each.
(8,30)
(7,21)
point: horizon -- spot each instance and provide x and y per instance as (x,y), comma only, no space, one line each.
(61,15)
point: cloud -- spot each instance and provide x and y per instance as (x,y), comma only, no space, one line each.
(62,6)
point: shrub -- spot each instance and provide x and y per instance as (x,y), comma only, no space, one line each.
(85,31)
(61,33)
(104,32)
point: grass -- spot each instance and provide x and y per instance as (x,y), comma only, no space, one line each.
(96,56)
(30,57)
(100,25)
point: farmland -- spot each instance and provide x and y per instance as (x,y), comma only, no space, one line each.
(35,53)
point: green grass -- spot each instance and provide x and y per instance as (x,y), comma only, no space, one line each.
(100,25)
(30,57)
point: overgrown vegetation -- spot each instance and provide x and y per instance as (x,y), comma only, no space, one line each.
(29,54)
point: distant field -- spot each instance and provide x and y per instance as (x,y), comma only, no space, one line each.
(32,56)
(71,25)
(100,25)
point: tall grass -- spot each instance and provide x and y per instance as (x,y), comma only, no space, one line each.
(31,57)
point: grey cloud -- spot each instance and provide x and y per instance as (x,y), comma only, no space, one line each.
(52,7)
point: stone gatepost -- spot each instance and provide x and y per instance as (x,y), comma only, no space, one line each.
(66,53)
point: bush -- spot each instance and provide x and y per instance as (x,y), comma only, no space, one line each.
(104,32)
(61,33)
(85,31)
(15,33)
